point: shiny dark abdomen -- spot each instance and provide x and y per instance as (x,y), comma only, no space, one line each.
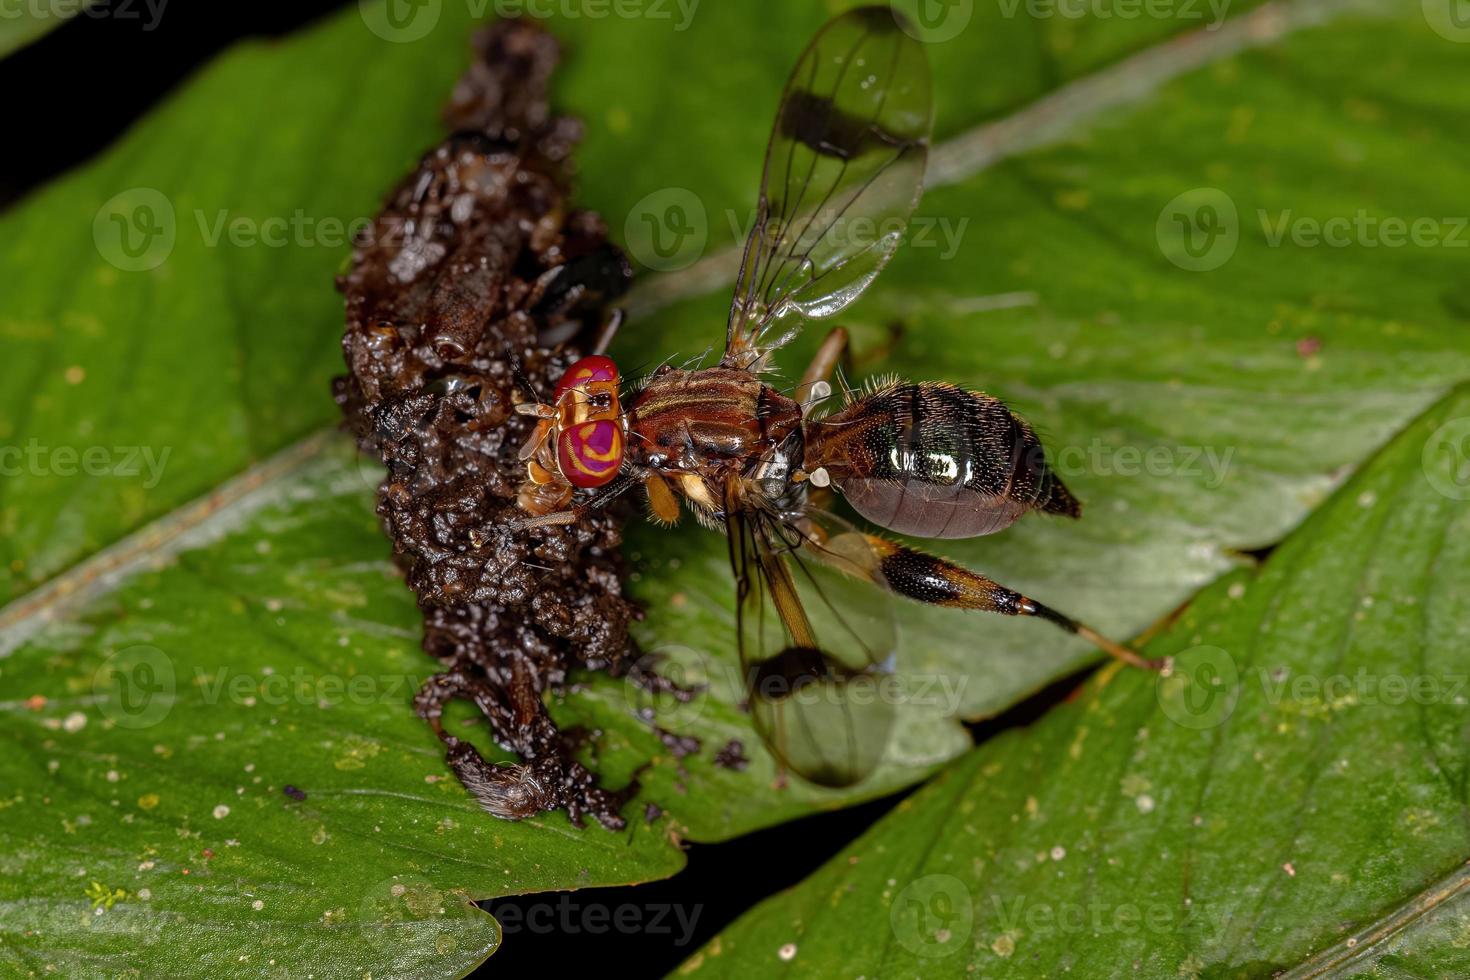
(936,461)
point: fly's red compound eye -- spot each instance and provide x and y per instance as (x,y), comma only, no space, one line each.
(590,454)
(595,367)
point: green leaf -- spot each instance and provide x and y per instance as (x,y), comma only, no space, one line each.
(1294,796)
(27,22)
(203,379)
(149,745)
(193,357)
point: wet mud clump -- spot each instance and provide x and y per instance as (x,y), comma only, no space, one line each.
(478,285)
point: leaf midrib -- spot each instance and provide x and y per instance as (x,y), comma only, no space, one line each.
(1363,944)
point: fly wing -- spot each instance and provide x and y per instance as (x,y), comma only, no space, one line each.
(844,170)
(816,640)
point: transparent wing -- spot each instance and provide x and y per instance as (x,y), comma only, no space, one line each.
(816,641)
(844,170)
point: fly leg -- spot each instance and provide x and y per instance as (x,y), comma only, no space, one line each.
(572,515)
(508,791)
(928,578)
(519,721)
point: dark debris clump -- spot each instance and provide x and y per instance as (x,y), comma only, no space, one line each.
(478,286)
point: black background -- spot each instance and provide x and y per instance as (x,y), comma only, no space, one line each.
(71,94)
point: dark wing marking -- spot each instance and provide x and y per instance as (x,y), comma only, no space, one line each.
(844,170)
(815,640)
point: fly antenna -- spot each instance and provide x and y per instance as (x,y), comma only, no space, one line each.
(521,378)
